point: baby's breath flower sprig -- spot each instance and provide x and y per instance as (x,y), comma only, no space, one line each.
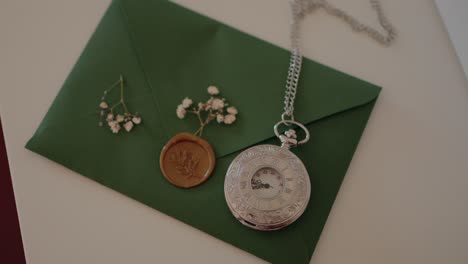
(115,119)
(215,108)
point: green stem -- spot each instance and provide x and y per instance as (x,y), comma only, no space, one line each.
(113,86)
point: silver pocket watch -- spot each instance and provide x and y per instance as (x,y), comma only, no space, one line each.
(267,187)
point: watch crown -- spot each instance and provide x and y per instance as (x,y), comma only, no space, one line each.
(289,139)
(291,133)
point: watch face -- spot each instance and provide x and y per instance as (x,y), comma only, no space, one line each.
(267,187)
(267,183)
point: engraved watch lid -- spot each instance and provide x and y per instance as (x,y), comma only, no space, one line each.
(267,187)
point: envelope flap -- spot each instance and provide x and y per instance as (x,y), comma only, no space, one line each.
(182,53)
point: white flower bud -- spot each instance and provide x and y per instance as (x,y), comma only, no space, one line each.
(217,104)
(136,120)
(187,102)
(181,112)
(103,105)
(213,90)
(232,110)
(114,126)
(229,119)
(220,118)
(128,126)
(120,118)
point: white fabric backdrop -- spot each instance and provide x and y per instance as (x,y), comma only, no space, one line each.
(403,199)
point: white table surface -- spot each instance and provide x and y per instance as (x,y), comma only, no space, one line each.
(405,196)
(453,13)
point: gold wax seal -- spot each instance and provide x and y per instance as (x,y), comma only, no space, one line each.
(187,160)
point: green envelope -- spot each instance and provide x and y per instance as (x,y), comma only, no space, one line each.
(167,52)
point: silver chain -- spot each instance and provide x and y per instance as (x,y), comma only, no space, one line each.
(299,9)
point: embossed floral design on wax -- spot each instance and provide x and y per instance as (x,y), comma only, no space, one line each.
(185,162)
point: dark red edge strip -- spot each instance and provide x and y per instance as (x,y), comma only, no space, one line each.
(11,244)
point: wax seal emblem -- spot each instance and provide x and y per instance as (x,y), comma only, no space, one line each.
(187,160)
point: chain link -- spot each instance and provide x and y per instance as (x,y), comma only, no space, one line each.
(299,9)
